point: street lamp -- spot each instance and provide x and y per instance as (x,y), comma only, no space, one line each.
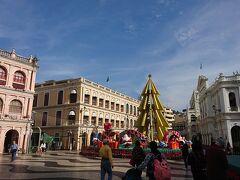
(39,137)
(80,127)
(215,113)
(69,140)
(127,123)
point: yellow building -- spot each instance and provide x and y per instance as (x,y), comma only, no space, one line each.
(17,81)
(74,110)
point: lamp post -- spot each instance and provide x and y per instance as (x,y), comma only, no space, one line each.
(39,137)
(69,140)
(80,128)
(29,138)
(215,123)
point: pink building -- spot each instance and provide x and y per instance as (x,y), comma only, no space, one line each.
(17,81)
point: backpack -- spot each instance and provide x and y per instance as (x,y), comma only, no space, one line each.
(159,170)
(132,174)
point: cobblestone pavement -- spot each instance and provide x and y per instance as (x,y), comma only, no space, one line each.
(70,165)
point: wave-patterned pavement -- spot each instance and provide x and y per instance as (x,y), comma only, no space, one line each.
(70,165)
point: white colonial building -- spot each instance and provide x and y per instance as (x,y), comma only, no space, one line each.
(219,107)
(193,115)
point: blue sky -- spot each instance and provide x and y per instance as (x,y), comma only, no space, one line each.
(127,40)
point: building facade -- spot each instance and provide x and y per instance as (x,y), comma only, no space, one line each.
(180,123)
(220,109)
(169,116)
(17,81)
(193,115)
(73,111)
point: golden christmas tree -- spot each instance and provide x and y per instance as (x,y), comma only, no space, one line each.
(151,121)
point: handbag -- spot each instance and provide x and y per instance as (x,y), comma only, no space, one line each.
(131,162)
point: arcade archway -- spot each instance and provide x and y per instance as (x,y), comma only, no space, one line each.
(11,135)
(235,132)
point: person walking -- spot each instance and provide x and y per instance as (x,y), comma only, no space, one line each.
(217,163)
(185,153)
(228,149)
(197,161)
(43,147)
(138,154)
(155,154)
(106,163)
(14,149)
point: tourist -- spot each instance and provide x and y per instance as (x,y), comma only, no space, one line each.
(184,150)
(43,147)
(197,161)
(138,154)
(107,127)
(217,163)
(14,149)
(228,149)
(106,163)
(148,159)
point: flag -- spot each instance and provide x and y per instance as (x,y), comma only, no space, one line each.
(108,79)
(201,66)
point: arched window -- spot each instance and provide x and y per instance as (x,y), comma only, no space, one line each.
(3,75)
(232,101)
(94,100)
(73,96)
(15,107)
(19,80)
(1,105)
(60,97)
(127,108)
(44,118)
(72,115)
(235,132)
(58,118)
(193,118)
(71,118)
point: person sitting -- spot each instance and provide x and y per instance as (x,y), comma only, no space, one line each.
(107,127)
(126,140)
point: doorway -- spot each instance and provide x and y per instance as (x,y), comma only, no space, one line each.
(11,135)
(235,132)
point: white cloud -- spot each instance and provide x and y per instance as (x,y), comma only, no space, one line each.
(185,35)
(210,37)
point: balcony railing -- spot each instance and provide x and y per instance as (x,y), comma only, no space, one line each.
(70,123)
(234,108)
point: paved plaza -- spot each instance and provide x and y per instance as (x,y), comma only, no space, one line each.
(71,165)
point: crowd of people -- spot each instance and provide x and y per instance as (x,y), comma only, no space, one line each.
(209,163)
(206,163)
(139,161)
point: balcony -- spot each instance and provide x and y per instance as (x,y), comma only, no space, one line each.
(70,123)
(18,86)
(234,108)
